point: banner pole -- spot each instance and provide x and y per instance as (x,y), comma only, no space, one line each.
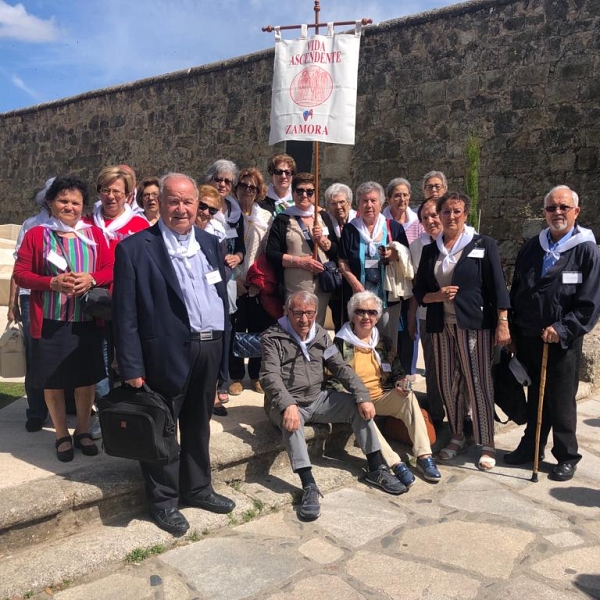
(316,148)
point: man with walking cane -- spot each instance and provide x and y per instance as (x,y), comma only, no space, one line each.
(555,299)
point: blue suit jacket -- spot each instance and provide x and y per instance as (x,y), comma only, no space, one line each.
(150,321)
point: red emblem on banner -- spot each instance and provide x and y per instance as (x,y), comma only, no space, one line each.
(311,86)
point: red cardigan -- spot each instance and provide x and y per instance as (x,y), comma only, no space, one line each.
(30,271)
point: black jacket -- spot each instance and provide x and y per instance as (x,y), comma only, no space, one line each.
(482,289)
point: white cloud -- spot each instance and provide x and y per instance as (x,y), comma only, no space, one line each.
(16,23)
(18,82)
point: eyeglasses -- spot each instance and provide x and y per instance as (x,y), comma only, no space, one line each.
(403,196)
(150,196)
(222,180)
(433,186)
(456,212)
(298,314)
(247,186)
(115,193)
(211,209)
(285,172)
(363,312)
(554,207)
(301,191)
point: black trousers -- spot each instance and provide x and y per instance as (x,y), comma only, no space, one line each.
(189,474)
(560,409)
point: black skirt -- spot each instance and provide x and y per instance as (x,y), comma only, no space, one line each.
(68,355)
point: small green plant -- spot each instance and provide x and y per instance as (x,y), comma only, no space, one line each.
(194,536)
(140,554)
(9,392)
(236,484)
(473,149)
(28,594)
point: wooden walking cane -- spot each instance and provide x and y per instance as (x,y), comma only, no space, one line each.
(538,429)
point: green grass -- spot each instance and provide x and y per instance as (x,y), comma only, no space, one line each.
(140,554)
(9,392)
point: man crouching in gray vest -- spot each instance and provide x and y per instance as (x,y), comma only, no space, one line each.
(295,353)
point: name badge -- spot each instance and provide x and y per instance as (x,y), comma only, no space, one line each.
(329,352)
(386,367)
(477,253)
(572,277)
(57,260)
(325,230)
(371,263)
(213,277)
(231,233)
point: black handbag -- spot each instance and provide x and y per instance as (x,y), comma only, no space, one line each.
(137,423)
(509,394)
(330,279)
(97,303)
(246,345)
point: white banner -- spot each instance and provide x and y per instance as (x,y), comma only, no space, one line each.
(314,87)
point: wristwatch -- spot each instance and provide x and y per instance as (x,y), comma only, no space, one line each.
(94,284)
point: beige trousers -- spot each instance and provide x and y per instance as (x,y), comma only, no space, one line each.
(407,409)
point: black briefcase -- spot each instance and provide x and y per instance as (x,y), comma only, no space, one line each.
(137,423)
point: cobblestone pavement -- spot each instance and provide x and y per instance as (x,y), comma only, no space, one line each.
(475,535)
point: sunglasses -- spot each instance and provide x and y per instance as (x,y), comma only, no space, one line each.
(285,172)
(247,186)
(363,312)
(211,209)
(302,191)
(222,180)
(554,207)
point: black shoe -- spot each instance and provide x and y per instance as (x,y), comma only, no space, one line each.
(519,456)
(213,502)
(382,478)
(34,424)
(90,449)
(64,455)
(563,472)
(171,520)
(310,508)
(220,411)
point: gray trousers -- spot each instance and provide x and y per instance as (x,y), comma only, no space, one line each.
(329,407)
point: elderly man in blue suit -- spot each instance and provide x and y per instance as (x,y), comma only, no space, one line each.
(170,327)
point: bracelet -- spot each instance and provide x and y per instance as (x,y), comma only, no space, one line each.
(12,306)
(502,318)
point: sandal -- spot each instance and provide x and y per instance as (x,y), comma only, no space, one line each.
(223,397)
(449,453)
(219,410)
(64,455)
(87,449)
(487,462)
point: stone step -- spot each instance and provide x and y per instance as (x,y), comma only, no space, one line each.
(99,543)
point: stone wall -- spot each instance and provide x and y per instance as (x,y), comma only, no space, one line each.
(523,76)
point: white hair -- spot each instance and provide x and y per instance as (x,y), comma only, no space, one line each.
(360,297)
(561,188)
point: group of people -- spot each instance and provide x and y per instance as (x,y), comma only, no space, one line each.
(190,265)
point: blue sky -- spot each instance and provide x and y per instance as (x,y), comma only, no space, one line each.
(51,49)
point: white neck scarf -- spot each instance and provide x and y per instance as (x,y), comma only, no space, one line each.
(425,239)
(176,249)
(55,224)
(294,211)
(216,227)
(234,212)
(110,231)
(450,255)
(347,334)
(285,324)
(411,216)
(287,199)
(364,232)
(255,219)
(336,224)
(580,235)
